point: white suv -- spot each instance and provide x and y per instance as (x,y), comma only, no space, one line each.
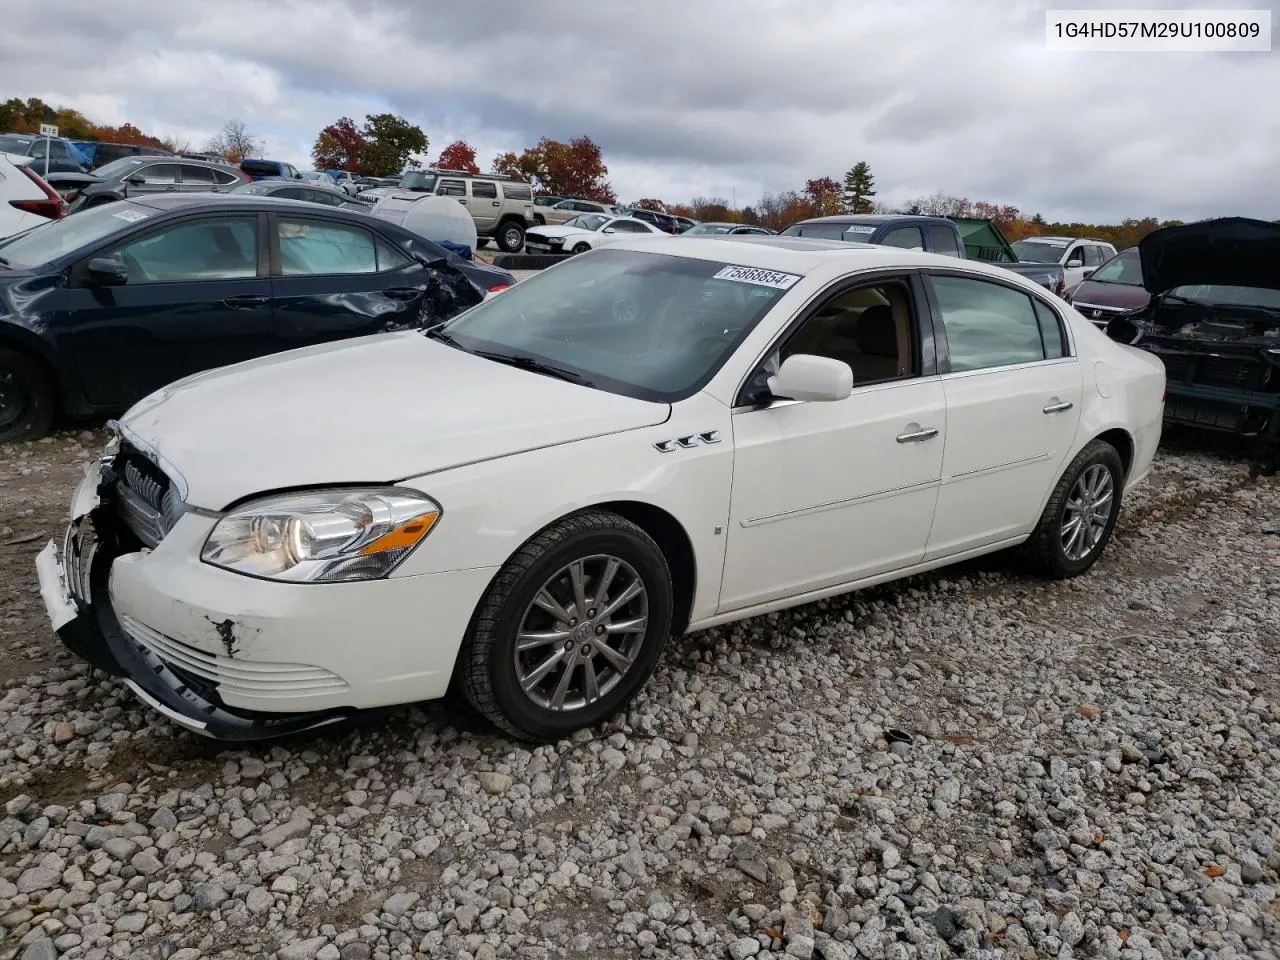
(26,200)
(1078,257)
(502,207)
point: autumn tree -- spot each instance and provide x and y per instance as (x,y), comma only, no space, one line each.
(859,188)
(1004,215)
(650,203)
(573,169)
(392,143)
(824,196)
(779,210)
(458,155)
(235,142)
(25,116)
(339,146)
(713,210)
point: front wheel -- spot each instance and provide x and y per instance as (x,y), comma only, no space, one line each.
(1080,516)
(581,247)
(570,629)
(27,397)
(511,237)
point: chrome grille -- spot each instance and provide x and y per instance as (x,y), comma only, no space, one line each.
(148,502)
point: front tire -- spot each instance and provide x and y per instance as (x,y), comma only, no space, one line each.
(570,628)
(510,237)
(581,247)
(28,400)
(1080,516)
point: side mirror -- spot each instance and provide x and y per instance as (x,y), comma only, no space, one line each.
(1089,272)
(137,180)
(804,376)
(107,272)
(608,230)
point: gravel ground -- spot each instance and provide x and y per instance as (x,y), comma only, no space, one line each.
(971,764)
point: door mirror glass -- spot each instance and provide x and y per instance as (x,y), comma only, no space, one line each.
(804,376)
(608,230)
(107,272)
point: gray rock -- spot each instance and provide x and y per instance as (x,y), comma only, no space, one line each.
(302,949)
(399,904)
(146,863)
(494,783)
(41,948)
(259,900)
(209,896)
(275,837)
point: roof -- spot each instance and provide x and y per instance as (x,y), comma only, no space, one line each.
(222,202)
(802,255)
(869,218)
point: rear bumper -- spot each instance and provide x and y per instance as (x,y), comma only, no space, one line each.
(241,658)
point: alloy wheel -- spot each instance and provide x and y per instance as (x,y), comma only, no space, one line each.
(581,633)
(1087,511)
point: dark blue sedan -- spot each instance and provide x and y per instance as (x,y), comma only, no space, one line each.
(101,308)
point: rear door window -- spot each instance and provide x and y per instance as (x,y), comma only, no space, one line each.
(313,248)
(484,190)
(942,240)
(196,175)
(987,324)
(908,238)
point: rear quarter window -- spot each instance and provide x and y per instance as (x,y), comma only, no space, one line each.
(517,191)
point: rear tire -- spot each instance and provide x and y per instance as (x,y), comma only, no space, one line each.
(594,659)
(1080,516)
(540,220)
(28,400)
(510,237)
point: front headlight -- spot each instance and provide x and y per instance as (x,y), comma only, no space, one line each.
(322,535)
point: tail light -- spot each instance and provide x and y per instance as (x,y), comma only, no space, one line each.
(51,206)
(500,287)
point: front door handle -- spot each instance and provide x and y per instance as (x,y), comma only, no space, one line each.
(918,435)
(246,302)
(401,293)
(1059,406)
(497,203)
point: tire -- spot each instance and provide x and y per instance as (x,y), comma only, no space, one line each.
(490,674)
(510,237)
(28,400)
(581,247)
(540,220)
(481,242)
(1051,550)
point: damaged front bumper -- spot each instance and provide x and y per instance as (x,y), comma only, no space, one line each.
(1221,385)
(241,658)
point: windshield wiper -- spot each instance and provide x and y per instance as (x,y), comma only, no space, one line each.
(525,362)
(437,333)
(3,262)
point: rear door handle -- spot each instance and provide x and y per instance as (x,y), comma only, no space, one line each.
(246,302)
(1059,407)
(401,293)
(918,436)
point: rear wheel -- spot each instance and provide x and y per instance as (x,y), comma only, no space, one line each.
(510,237)
(27,397)
(1080,516)
(570,628)
(540,220)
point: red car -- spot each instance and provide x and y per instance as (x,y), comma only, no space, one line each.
(1114,288)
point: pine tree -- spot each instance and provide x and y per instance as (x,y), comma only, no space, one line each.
(859,188)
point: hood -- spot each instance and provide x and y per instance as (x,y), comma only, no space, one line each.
(370,410)
(1232,251)
(557,231)
(1112,296)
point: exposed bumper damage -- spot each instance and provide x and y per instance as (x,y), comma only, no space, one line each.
(1223,370)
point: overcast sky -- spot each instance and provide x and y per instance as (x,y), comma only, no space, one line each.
(696,97)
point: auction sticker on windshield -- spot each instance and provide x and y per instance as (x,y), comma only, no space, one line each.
(859,229)
(130,216)
(762,278)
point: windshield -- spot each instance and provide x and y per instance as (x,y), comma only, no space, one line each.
(1228,296)
(253,188)
(51,240)
(117,168)
(588,221)
(416,180)
(1124,268)
(830,231)
(704,228)
(646,325)
(12,144)
(1040,251)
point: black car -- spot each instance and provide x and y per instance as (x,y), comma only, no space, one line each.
(1213,318)
(137,177)
(294,190)
(99,309)
(663,221)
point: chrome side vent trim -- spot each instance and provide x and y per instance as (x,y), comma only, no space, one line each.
(687,442)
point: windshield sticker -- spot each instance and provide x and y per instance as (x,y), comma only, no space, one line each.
(859,229)
(130,216)
(763,278)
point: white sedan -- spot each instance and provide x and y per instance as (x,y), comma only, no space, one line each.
(585,233)
(654,438)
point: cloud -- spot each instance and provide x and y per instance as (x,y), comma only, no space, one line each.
(710,98)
